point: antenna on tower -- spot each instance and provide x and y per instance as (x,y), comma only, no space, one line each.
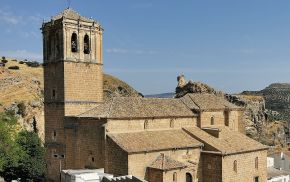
(68,3)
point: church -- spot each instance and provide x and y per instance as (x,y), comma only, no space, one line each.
(195,138)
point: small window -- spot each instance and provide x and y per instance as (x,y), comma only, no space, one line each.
(93,159)
(146,124)
(171,123)
(54,135)
(174,177)
(212,120)
(74,43)
(256,179)
(86,44)
(53,93)
(235,166)
(256,162)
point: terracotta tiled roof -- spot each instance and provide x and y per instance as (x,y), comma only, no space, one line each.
(207,102)
(136,107)
(71,14)
(165,163)
(153,140)
(228,142)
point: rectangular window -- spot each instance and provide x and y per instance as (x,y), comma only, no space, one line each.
(53,94)
(256,179)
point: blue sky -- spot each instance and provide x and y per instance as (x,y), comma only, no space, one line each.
(232,45)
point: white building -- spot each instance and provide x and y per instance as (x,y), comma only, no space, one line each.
(84,175)
(274,174)
(281,160)
(94,175)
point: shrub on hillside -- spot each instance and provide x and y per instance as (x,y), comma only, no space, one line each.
(21,62)
(13,67)
(14,60)
(4,61)
(33,64)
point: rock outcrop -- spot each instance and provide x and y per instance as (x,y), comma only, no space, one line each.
(184,87)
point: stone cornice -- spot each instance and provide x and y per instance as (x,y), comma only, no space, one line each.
(70,61)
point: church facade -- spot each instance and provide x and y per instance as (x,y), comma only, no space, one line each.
(193,138)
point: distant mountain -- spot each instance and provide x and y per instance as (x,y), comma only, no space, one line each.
(163,95)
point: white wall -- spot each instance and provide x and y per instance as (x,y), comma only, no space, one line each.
(281,161)
(280,179)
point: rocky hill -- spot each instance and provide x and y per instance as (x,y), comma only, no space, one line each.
(21,88)
(277,97)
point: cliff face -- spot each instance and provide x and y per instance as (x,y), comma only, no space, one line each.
(254,117)
(22,93)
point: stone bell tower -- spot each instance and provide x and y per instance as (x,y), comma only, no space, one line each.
(73,78)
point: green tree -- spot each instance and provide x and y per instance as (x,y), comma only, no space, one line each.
(32,165)
(21,153)
(10,151)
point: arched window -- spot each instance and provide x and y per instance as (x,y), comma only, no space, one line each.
(188,177)
(54,135)
(171,123)
(235,166)
(212,120)
(74,43)
(146,124)
(87,44)
(174,177)
(256,162)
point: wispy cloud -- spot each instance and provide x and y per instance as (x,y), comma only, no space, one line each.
(8,17)
(129,51)
(22,54)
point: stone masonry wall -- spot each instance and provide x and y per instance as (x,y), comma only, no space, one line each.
(118,126)
(83,82)
(211,167)
(205,118)
(235,120)
(137,163)
(246,170)
(116,159)
(221,118)
(86,141)
(181,175)
(154,175)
